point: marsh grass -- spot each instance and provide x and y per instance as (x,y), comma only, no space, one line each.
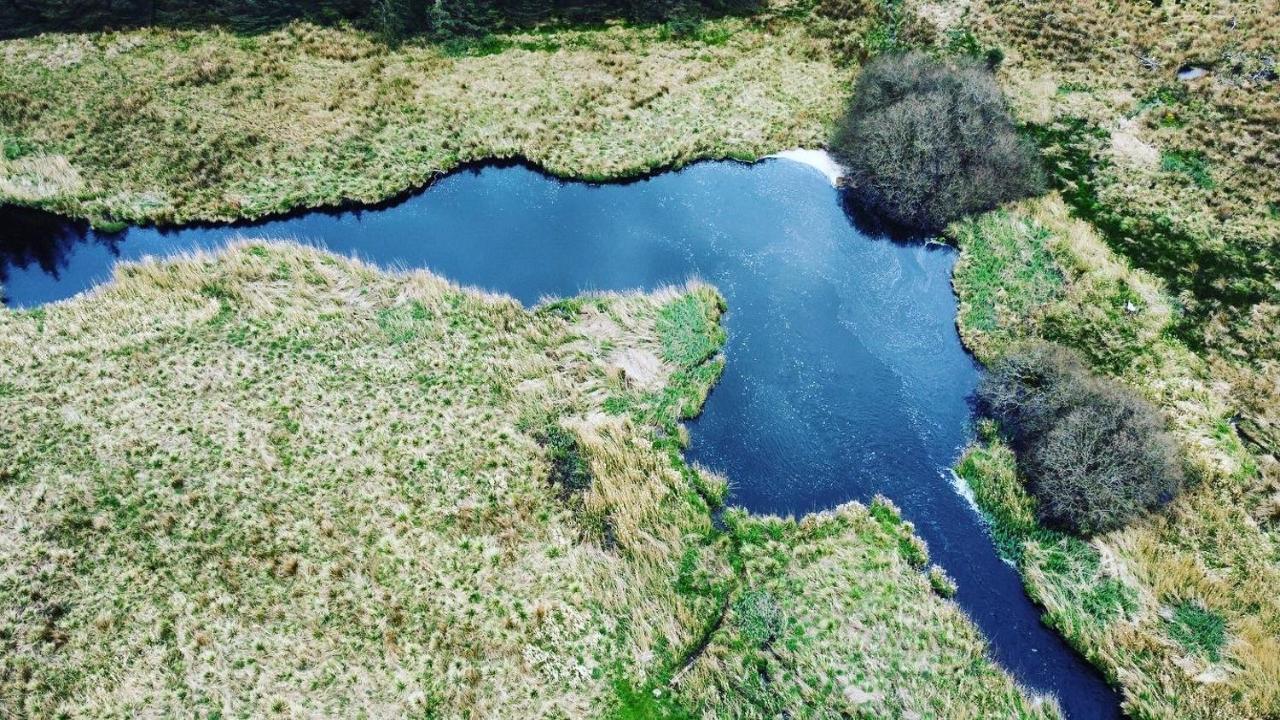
(1117,597)
(1177,174)
(1183,168)
(274,481)
(829,612)
(171,126)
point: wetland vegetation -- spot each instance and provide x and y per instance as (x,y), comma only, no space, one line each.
(1154,260)
(295,484)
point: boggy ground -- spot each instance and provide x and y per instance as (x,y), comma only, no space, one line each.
(1157,260)
(173,126)
(279,482)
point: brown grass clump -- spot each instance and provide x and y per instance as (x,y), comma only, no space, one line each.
(274,481)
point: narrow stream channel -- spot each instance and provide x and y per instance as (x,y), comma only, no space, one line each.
(845,375)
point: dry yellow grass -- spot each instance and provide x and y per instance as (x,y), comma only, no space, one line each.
(278,482)
(173,126)
(292,483)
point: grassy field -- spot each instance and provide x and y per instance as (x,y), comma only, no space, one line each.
(274,482)
(1182,608)
(172,126)
(1180,176)
(1158,261)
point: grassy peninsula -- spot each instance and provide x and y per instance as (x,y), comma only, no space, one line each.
(286,483)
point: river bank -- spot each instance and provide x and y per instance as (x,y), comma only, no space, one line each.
(169,127)
(1162,606)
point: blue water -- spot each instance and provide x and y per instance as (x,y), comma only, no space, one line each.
(845,375)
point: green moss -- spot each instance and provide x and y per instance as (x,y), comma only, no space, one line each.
(1193,164)
(404,323)
(1111,599)
(1198,630)
(649,702)
(15,148)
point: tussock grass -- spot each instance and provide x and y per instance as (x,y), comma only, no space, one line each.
(1179,174)
(836,618)
(278,482)
(1123,598)
(1185,167)
(171,126)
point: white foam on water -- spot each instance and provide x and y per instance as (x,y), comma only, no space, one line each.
(961,486)
(820,160)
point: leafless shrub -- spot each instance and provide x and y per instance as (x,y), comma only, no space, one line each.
(927,142)
(1095,454)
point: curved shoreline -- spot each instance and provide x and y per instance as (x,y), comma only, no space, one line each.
(814,158)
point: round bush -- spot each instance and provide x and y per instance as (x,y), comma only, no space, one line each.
(927,142)
(1095,454)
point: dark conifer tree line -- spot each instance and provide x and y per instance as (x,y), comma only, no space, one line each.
(401,18)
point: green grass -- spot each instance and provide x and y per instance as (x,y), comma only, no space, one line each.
(758,617)
(1086,599)
(1192,164)
(1198,630)
(829,613)
(1004,276)
(1214,274)
(689,334)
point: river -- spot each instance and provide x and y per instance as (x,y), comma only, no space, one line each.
(845,375)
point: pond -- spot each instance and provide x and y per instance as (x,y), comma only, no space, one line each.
(845,375)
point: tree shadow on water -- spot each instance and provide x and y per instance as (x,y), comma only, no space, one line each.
(36,237)
(870,223)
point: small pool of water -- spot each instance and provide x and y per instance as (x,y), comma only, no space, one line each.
(845,375)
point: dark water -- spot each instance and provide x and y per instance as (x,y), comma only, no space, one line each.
(845,377)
